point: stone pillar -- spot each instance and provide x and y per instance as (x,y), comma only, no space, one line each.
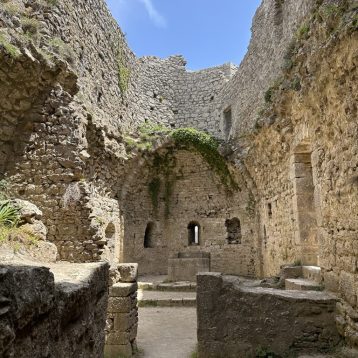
(122,313)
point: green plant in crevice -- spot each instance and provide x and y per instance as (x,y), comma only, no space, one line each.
(207,146)
(123,71)
(9,215)
(10,49)
(11,9)
(303,32)
(61,48)
(296,84)
(29,25)
(163,165)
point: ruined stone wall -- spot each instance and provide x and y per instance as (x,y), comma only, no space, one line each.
(57,313)
(195,195)
(313,126)
(122,313)
(230,311)
(62,138)
(198,96)
(273,27)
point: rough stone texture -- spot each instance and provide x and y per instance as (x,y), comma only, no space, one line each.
(184,267)
(128,272)
(293,154)
(53,312)
(27,242)
(197,195)
(122,313)
(284,322)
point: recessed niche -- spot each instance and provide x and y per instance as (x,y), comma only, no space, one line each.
(233,228)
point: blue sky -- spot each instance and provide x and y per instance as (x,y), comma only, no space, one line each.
(206,32)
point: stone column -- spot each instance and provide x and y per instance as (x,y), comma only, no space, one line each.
(122,313)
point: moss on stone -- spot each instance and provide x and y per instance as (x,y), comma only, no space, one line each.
(64,50)
(9,48)
(123,71)
(30,25)
(207,146)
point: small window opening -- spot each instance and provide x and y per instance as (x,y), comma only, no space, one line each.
(194,233)
(227,122)
(148,236)
(233,228)
(269,210)
(265,237)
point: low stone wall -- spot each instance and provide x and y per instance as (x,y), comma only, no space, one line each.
(122,316)
(239,320)
(185,265)
(53,312)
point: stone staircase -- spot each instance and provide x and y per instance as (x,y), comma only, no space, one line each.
(303,278)
(158,293)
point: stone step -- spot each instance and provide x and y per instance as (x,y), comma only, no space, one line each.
(312,273)
(172,302)
(166,299)
(168,286)
(302,284)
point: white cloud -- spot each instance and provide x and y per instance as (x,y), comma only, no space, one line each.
(154,15)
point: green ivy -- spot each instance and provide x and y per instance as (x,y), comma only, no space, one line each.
(207,146)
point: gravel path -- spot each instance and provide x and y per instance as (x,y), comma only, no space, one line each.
(167,332)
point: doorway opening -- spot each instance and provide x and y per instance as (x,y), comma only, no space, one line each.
(304,205)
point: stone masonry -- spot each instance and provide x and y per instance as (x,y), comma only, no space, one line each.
(283,323)
(53,312)
(122,314)
(73,96)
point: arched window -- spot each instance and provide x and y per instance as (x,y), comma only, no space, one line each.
(148,235)
(194,233)
(233,228)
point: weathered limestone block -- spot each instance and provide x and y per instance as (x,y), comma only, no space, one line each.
(122,313)
(60,313)
(123,289)
(128,272)
(346,287)
(236,319)
(185,266)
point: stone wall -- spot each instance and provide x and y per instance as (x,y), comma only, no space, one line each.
(274,25)
(55,313)
(198,196)
(238,320)
(122,313)
(311,216)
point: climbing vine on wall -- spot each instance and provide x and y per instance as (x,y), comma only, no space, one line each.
(124,71)
(207,146)
(162,164)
